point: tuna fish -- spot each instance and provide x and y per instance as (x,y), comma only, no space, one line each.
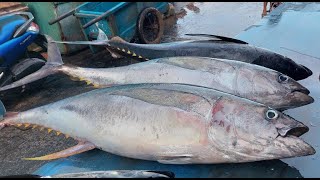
(225,48)
(169,123)
(246,80)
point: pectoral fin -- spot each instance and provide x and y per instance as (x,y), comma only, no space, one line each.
(77,149)
(176,159)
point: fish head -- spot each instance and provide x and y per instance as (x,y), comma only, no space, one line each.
(251,132)
(283,64)
(273,88)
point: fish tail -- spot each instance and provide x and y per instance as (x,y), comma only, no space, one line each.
(52,66)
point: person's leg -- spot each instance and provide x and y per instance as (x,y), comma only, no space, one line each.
(264,11)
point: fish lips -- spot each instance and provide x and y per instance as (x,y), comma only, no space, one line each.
(293,129)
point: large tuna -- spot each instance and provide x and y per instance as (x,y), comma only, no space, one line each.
(225,48)
(169,123)
(246,80)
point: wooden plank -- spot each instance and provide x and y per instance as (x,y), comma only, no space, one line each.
(8,4)
(10,7)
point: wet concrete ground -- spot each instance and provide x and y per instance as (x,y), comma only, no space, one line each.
(226,19)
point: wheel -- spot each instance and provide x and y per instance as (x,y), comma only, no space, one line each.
(19,71)
(150,26)
(22,69)
(26,67)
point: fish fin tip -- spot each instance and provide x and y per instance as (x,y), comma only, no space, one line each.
(176,159)
(223,38)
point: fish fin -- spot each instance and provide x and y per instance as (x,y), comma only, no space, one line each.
(77,149)
(54,55)
(223,38)
(54,62)
(176,159)
(113,53)
(118,39)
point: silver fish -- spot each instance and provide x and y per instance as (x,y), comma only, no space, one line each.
(169,123)
(246,80)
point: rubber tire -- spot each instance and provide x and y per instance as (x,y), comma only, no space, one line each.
(26,67)
(140,22)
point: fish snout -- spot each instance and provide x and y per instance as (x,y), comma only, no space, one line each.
(300,98)
(289,131)
(298,95)
(301,72)
(308,72)
(293,146)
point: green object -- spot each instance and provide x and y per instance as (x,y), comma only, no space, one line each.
(67,29)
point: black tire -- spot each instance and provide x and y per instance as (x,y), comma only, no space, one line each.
(150,26)
(22,69)
(26,67)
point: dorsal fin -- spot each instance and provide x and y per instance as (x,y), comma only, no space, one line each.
(223,38)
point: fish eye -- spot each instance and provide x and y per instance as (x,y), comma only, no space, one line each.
(271,114)
(282,78)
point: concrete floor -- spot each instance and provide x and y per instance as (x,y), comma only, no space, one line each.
(221,18)
(226,19)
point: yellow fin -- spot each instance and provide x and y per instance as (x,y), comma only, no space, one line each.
(134,54)
(88,82)
(67,136)
(58,133)
(42,128)
(26,125)
(73,78)
(77,149)
(123,50)
(140,57)
(34,126)
(96,85)
(49,130)
(18,125)
(129,52)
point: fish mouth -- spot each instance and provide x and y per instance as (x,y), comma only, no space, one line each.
(296,131)
(301,90)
